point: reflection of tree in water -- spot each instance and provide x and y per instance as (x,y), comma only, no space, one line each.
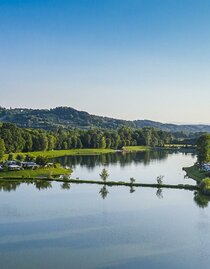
(42,184)
(132,189)
(201,200)
(159,193)
(103,192)
(124,159)
(65,186)
(9,186)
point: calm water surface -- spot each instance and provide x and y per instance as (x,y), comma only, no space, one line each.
(143,166)
(62,226)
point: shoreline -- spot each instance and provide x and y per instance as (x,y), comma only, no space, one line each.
(74,152)
(98,182)
(195,173)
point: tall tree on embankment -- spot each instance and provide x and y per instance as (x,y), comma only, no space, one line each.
(203,148)
(2,148)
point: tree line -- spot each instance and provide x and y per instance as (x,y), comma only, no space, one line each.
(15,139)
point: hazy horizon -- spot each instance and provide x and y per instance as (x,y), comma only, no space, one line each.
(127,59)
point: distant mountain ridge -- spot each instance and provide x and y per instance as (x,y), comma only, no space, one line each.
(68,117)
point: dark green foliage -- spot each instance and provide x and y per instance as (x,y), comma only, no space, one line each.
(2,148)
(10,157)
(41,160)
(29,158)
(203,148)
(20,157)
(13,137)
(132,180)
(27,140)
(67,117)
(160,180)
(104,174)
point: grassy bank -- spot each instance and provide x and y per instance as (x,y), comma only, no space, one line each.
(195,173)
(42,172)
(100,182)
(61,153)
(179,146)
(136,148)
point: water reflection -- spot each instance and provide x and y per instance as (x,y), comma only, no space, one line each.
(159,193)
(90,161)
(132,189)
(65,186)
(124,159)
(8,186)
(104,192)
(43,184)
(201,200)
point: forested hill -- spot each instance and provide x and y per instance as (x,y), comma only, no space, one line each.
(59,117)
(68,117)
(193,128)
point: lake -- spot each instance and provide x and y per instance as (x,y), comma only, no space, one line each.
(75,226)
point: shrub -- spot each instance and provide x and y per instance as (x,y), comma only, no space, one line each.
(20,157)
(104,174)
(205,186)
(10,157)
(160,180)
(29,158)
(41,160)
(132,180)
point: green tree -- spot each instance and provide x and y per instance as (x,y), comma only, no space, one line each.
(102,142)
(104,174)
(28,146)
(160,180)
(20,157)
(2,148)
(203,148)
(132,180)
(29,158)
(10,157)
(41,160)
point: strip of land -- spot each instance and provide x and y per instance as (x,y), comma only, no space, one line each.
(71,152)
(36,173)
(106,183)
(195,173)
(135,148)
(60,153)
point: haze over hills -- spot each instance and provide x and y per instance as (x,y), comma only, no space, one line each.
(68,117)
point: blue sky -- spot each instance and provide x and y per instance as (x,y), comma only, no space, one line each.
(131,59)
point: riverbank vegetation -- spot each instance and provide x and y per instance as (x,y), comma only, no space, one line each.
(203,149)
(195,172)
(205,186)
(136,148)
(106,183)
(59,153)
(14,139)
(41,172)
(200,171)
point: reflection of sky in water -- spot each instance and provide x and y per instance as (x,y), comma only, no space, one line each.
(144,166)
(76,228)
